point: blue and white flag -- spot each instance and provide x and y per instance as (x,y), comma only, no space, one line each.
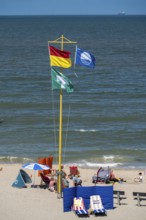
(84,58)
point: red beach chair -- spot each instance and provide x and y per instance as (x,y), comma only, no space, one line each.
(74,171)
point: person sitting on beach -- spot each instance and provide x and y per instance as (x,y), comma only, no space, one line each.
(52,184)
(44,179)
(139,178)
(112,177)
(65,182)
(1,169)
(115,179)
(77,181)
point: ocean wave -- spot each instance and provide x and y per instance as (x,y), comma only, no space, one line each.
(12,159)
(114,158)
(87,164)
(86,130)
(109,157)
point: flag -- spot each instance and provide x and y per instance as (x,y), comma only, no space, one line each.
(59,57)
(84,58)
(59,81)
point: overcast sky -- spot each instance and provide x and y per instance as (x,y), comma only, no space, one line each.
(71,7)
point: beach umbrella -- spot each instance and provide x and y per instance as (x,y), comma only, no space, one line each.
(35,166)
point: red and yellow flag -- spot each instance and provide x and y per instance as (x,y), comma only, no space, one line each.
(59,57)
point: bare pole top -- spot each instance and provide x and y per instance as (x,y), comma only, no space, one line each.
(63,40)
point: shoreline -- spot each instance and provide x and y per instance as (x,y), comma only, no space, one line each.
(93,167)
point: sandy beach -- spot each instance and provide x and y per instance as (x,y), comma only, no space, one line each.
(36,203)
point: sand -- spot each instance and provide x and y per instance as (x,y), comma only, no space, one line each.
(41,204)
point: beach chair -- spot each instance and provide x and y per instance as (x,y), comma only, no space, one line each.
(96,205)
(73,171)
(45,179)
(79,208)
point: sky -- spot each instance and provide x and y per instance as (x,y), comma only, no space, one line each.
(72,7)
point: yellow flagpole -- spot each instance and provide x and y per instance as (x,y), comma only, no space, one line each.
(62,40)
(60,148)
(60,139)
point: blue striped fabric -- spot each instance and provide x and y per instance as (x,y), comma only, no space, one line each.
(81,212)
(99,211)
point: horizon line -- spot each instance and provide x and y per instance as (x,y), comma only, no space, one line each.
(120,15)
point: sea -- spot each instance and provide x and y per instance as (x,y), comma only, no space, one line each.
(103,120)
